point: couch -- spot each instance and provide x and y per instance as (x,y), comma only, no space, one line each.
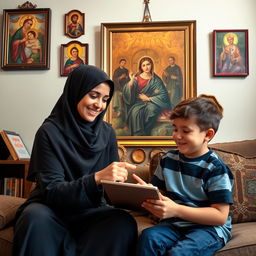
(240,156)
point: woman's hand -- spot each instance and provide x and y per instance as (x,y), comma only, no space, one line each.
(116,171)
(23,40)
(144,97)
(132,77)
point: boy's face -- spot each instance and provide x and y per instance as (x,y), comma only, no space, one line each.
(189,139)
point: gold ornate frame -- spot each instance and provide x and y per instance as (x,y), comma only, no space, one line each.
(158,40)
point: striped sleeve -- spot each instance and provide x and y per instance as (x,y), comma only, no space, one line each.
(158,178)
(219,187)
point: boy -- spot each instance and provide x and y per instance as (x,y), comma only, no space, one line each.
(197,186)
(32,48)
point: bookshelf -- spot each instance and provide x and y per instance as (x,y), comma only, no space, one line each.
(17,169)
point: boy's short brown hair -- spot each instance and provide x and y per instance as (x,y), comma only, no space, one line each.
(205,108)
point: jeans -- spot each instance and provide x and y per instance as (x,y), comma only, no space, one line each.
(168,240)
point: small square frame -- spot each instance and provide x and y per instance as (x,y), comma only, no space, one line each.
(230,53)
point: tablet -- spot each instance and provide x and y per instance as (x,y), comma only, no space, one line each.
(129,195)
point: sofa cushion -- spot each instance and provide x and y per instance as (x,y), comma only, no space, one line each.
(244,193)
(8,208)
(242,242)
(244,148)
(6,240)
(154,162)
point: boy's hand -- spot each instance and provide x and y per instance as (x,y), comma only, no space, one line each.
(139,180)
(163,208)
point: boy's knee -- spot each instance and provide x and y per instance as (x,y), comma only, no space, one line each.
(148,233)
(149,237)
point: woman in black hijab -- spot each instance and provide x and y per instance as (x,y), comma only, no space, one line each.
(74,149)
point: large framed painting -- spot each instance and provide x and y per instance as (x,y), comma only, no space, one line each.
(230,51)
(153,66)
(26,39)
(72,55)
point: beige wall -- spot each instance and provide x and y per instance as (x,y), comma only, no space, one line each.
(27,97)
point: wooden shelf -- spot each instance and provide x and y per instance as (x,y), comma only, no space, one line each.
(18,169)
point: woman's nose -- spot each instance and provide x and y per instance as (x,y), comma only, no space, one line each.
(98,104)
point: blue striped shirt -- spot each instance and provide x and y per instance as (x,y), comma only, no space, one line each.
(195,182)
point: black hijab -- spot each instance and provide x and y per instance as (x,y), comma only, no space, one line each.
(91,136)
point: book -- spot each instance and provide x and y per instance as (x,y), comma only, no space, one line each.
(12,186)
(12,146)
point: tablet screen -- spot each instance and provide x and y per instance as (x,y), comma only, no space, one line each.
(129,195)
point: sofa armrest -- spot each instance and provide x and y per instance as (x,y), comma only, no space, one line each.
(8,208)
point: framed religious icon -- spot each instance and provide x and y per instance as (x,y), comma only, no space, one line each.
(230,53)
(26,39)
(74,24)
(153,66)
(72,55)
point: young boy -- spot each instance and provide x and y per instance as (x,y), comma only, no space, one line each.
(32,48)
(196,185)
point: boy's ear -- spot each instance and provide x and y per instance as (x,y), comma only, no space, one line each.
(209,134)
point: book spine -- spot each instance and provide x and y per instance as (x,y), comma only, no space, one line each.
(1,185)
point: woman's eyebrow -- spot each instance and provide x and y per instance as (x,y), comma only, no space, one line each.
(98,93)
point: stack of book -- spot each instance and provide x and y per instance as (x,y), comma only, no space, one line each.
(11,186)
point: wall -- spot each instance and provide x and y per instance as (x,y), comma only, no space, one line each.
(27,97)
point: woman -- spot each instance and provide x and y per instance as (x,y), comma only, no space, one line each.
(145,97)
(73,62)
(17,43)
(74,150)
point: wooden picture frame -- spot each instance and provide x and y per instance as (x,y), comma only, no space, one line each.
(26,39)
(230,53)
(72,55)
(12,142)
(74,24)
(170,43)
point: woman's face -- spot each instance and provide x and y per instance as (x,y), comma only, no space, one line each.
(146,66)
(28,24)
(74,53)
(94,102)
